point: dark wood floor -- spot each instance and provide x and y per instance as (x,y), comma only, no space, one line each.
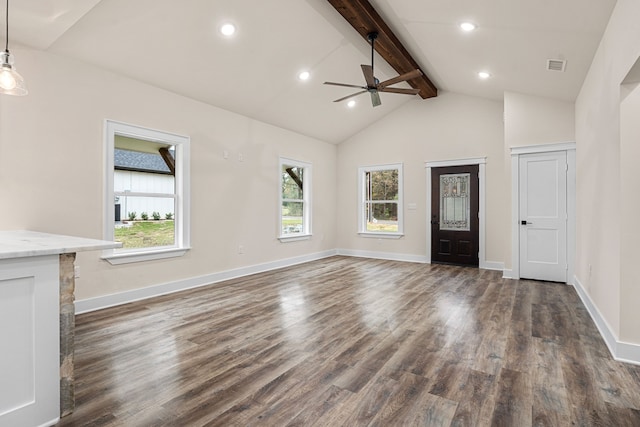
(353,342)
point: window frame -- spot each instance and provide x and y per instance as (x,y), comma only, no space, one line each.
(181,193)
(306,200)
(362,202)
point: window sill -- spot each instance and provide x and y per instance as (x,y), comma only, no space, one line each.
(380,235)
(130,257)
(296,238)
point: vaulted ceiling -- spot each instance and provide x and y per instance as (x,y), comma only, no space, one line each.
(177,46)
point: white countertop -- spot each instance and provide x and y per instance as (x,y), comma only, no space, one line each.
(22,243)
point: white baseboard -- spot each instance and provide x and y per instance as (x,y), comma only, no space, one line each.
(507,273)
(50,423)
(383,255)
(628,352)
(602,325)
(621,351)
(487,265)
(98,303)
(492,265)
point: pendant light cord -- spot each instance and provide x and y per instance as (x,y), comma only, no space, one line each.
(6,46)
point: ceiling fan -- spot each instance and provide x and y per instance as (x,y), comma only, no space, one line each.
(374,86)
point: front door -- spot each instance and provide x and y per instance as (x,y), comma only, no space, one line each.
(454,215)
(543,216)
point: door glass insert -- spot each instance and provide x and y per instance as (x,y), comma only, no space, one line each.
(455,203)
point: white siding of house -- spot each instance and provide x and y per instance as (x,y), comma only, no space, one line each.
(144,182)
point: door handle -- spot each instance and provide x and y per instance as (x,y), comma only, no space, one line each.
(524,222)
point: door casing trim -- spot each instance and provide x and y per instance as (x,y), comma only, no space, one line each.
(570,148)
(481,162)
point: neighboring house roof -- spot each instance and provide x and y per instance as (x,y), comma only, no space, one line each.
(137,161)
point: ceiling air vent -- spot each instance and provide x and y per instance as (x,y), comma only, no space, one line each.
(556,64)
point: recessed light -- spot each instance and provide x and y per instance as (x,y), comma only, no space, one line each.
(468,26)
(304,75)
(351,104)
(228,29)
(484,75)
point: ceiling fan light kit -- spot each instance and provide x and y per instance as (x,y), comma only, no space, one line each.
(374,86)
(11,82)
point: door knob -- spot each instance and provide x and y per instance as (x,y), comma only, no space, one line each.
(524,222)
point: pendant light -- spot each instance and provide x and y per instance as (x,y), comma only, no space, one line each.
(11,83)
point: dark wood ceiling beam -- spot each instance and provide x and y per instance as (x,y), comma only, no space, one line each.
(294,176)
(168,159)
(365,19)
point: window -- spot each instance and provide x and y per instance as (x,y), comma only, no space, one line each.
(455,202)
(295,200)
(147,197)
(380,196)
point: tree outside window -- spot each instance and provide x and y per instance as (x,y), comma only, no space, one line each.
(380,199)
(294,198)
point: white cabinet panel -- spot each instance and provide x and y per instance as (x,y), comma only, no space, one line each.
(29,327)
(17,303)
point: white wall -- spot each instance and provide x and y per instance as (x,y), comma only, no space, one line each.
(533,120)
(52,170)
(604,263)
(448,127)
(630,207)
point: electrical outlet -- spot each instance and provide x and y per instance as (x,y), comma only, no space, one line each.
(240,157)
(225,154)
(76,271)
(240,249)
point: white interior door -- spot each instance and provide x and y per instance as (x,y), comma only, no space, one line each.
(543,216)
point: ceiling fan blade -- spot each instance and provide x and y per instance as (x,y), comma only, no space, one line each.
(367,70)
(401,78)
(399,90)
(344,85)
(375,98)
(350,96)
